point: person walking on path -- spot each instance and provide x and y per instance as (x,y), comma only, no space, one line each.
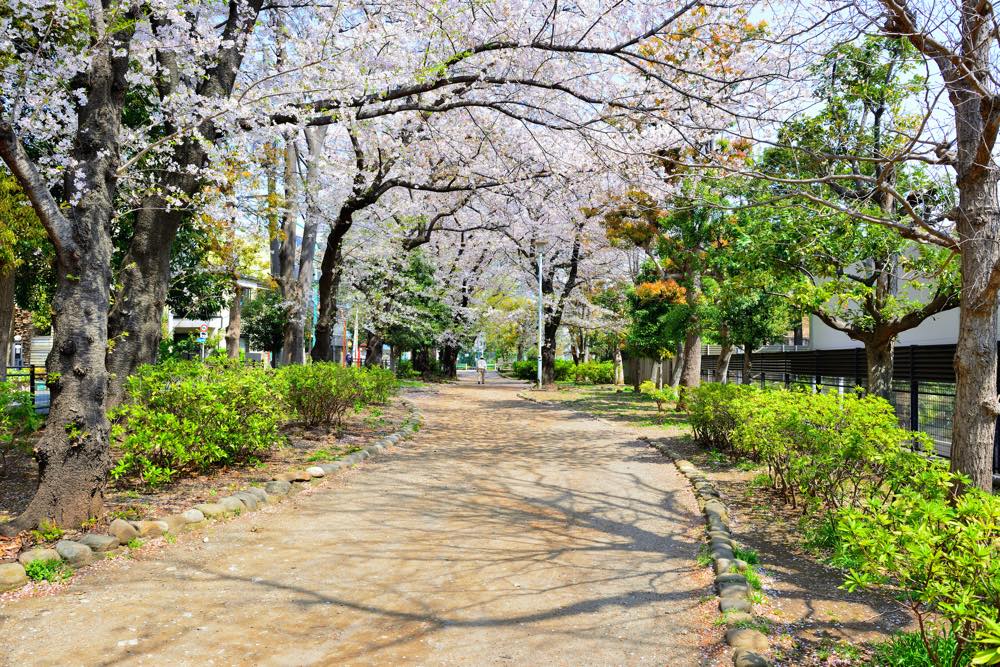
(481,369)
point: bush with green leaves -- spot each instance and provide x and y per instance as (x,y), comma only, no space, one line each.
(938,553)
(189,416)
(322,393)
(17,421)
(712,410)
(528,370)
(594,372)
(378,385)
(883,502)
(404,369)
(662,396)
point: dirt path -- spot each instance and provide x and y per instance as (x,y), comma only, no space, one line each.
(506,533)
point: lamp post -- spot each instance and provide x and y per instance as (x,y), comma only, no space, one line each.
(539,249)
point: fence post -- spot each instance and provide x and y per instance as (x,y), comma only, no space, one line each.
(788,380)
(31,380)
(763,377)
(996,435)
(914,404)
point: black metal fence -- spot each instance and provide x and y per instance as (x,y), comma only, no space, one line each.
(923,382)
(31,379)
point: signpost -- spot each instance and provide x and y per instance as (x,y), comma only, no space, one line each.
(202,338)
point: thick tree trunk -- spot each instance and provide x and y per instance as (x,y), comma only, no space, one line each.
(73,453)
(233,329)
(978,227)
(374,345)
(421,360)
(691,375)
(394,354)
(449,362)
(6,319)
(975,417)
(329,284)
(722,365)
(619,368)
(747,367)
(548,365)
(879,355)
(677,366)
(134,323)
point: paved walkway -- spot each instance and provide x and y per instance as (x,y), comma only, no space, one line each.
(505,533)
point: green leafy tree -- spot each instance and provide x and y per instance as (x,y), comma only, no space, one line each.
(864,279)
(264,321)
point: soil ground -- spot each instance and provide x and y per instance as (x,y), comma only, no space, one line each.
(812,620)
(505,533)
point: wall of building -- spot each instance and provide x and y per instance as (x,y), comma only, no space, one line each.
(941,329)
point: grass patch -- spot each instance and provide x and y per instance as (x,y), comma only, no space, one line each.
(704,557)
(134,543)
(415,384)
(53,570)
(331,453)
(753,578)
(746,554)
(907,650)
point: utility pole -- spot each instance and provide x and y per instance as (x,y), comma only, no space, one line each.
(539,249)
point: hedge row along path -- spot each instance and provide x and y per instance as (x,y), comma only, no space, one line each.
(504,533)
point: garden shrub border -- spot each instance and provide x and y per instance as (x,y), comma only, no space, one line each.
(94,546)
(732,587)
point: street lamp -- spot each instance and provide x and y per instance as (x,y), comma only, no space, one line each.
(539,250)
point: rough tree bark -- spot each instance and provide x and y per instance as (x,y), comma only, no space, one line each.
(449,361)
(134,322)
(73,453)
(747,375)
(233,329)
(6,319)
(374,346)
(879,354)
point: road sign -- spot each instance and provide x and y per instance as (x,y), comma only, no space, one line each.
(203,329)
(202,340)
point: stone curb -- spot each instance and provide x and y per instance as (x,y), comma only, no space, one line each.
(94,546)
(731,586)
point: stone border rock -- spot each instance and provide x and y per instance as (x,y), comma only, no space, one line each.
(732,586)
(94,546)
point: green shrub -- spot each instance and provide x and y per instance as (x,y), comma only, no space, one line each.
(525,370)
(404,369)
(47,531)
(875,495)
(938,553)
(528,370)
(185,416)
(322,393)
(661,396)
(378,385)
(712,411)
(48,570)
(594,372)
(17,421)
